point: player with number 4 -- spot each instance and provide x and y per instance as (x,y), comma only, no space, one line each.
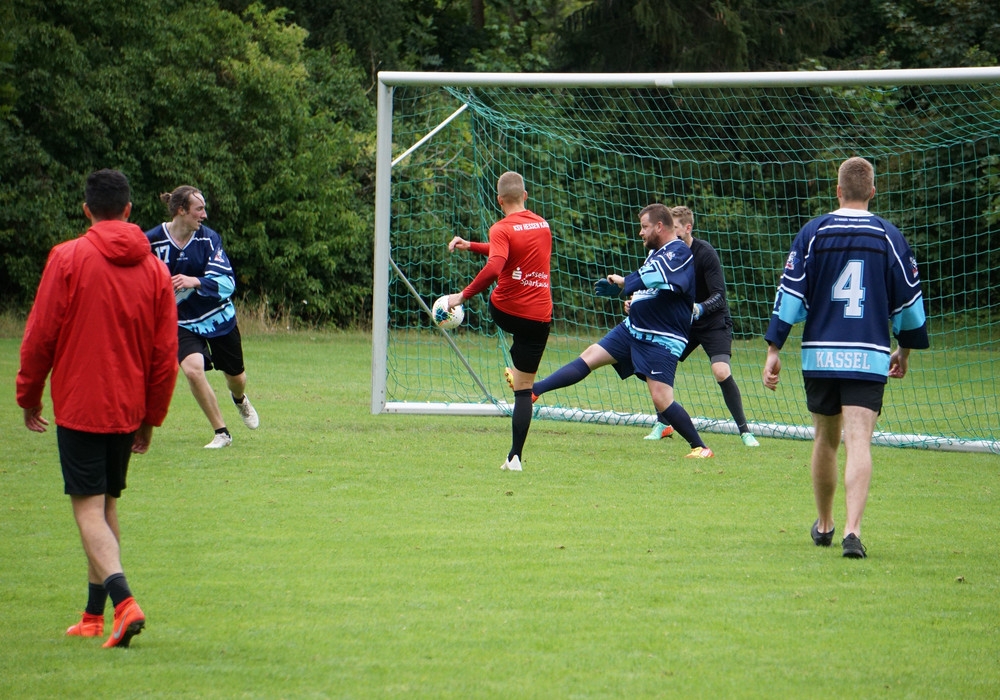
(850,276)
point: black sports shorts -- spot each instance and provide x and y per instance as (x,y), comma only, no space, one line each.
(223,352)
(717,342)
(529,339)
(827,396)
(93,463)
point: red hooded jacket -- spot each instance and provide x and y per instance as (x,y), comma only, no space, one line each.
(104,322)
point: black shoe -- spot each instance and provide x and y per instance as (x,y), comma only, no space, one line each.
(853,549)
(821,539)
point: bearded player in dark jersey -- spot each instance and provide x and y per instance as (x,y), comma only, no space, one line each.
(649,343)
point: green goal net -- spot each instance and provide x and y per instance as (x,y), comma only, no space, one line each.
(754,156)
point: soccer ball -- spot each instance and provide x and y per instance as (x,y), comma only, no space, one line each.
(445,318)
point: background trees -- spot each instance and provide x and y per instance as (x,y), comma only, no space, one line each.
(275,133)
(268,106)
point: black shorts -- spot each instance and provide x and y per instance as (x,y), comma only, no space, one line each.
(529,339)
(223,352)
(94,463)
(717,342)
(828,396)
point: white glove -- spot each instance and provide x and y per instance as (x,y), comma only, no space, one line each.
(696,311)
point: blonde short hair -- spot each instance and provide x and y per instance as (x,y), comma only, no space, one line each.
(510,187)
(682,215)
(856,178)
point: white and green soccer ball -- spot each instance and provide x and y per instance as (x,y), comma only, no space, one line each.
(448,319)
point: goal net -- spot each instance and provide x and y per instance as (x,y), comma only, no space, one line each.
(754,156)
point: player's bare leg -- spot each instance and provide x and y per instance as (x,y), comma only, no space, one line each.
(193,367)
(721,371)
(824,467)
(99,537)
(237,384)
(859,424)
(522,380)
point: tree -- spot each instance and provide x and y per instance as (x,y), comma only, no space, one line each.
(707,35)
(939,33)
(279,137)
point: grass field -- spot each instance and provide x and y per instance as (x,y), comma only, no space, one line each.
(333,553)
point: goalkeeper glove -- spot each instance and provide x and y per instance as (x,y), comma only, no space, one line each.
(605,288)
(696,312)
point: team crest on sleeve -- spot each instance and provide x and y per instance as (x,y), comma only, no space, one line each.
(790,263)
(670,255)
(913,266)
(218,256)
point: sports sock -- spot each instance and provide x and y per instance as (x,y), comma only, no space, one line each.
(240,401)
(222,431)
(97,597)
(520,421)
(566,375)
(734,402)
(676,416)
(117,588)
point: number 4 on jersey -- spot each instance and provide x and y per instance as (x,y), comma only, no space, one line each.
(849,288)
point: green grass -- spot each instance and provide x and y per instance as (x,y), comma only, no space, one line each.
(333,553)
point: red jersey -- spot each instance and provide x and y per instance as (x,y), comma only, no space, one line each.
(104,322)
(519,252)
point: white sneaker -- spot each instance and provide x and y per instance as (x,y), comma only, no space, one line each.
(247,413)
(220,440)
(749,440)
(511,465)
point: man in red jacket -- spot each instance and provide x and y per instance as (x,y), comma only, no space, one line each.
(104,322)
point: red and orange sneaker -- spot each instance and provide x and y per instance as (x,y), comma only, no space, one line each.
(129,622)
(89,626)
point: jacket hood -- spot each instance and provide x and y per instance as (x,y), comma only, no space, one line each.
(122,243)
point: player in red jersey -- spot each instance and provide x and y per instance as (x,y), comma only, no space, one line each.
(519,260)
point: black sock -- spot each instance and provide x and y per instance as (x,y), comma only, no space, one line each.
(566,375)
(117,588)
(734,402)
(222,431)
(520,421)
(676,416)
(97,597)
(240,402)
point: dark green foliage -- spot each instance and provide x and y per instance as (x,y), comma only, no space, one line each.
(708,35)
(277,136)
(267,107)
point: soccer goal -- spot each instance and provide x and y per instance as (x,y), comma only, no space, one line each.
(754,155)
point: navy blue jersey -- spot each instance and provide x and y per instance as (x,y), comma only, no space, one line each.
(662,293)
(207,311)
(848,276)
